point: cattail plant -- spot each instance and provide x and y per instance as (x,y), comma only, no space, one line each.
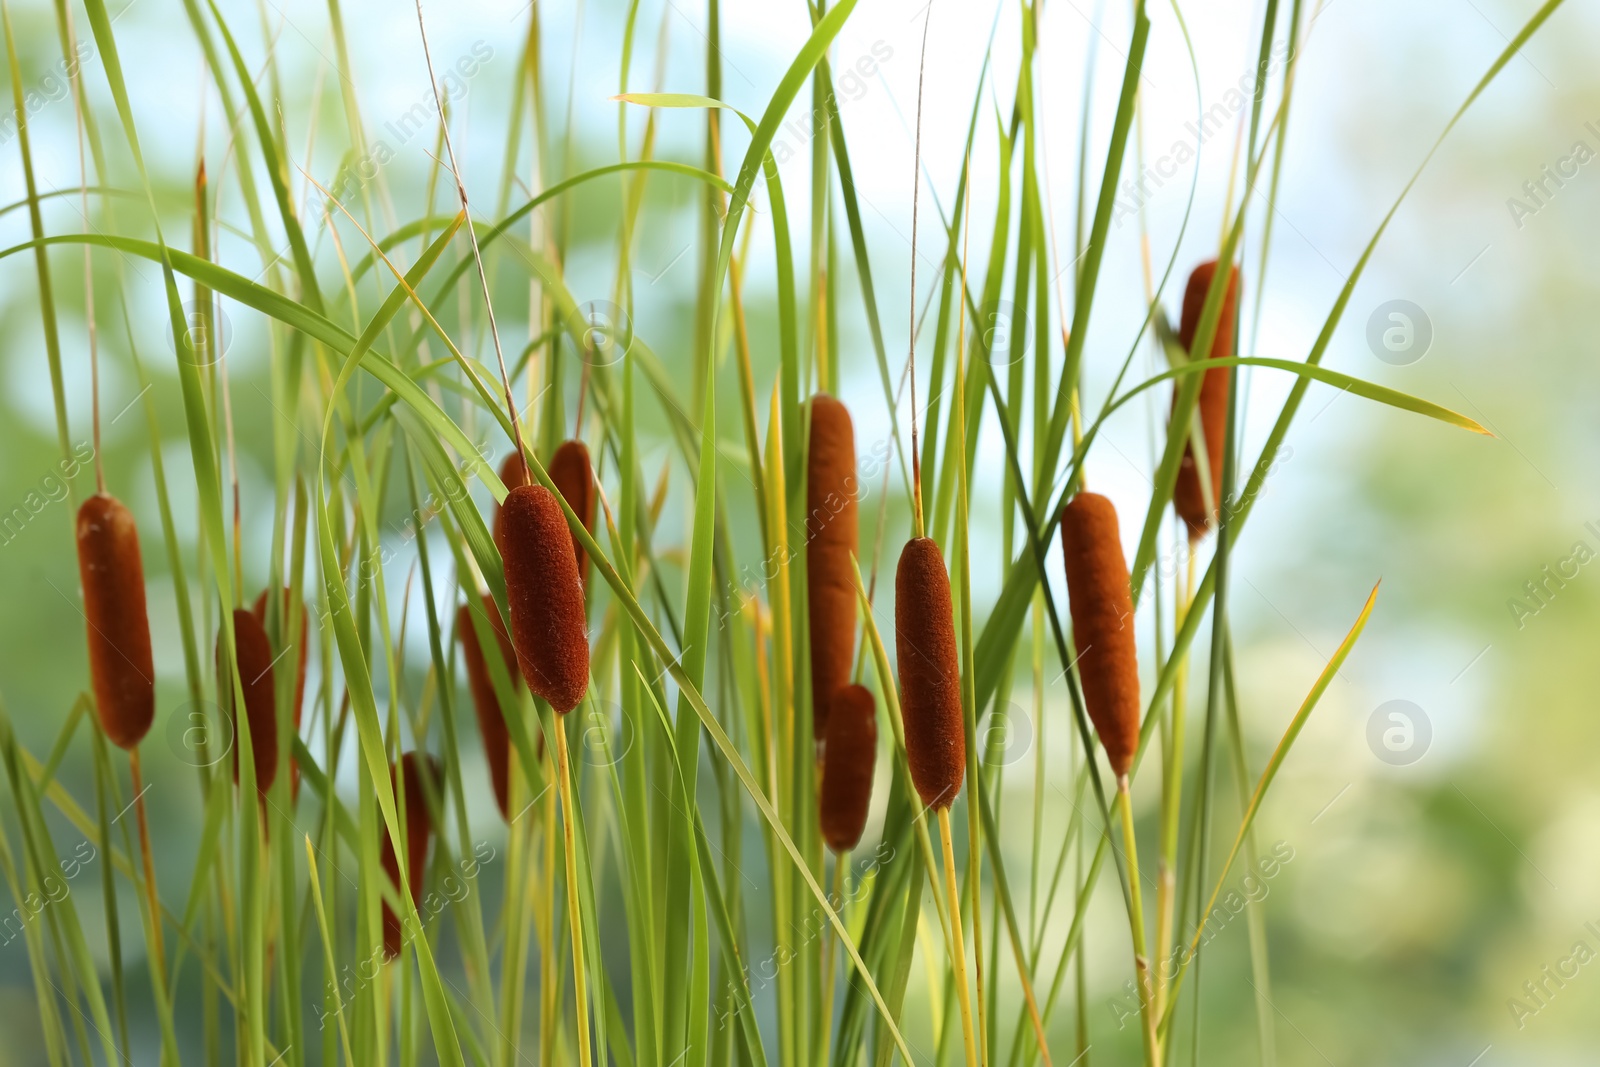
(573,475)
(485,701)
(297,708)
(849,754)
(930,674)
(121,667)
(256,680)
(832,534)
(406,778)
(1188,494)
(545,596)
(1101,605)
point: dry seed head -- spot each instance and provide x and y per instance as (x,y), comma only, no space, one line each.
(848,758)
(513,472)
(573,475)
(832,535)
(1188,496)
(930,676)
(406,777)
(545,596)
(491,716)
(121,667)
(260,710)
(1102,624)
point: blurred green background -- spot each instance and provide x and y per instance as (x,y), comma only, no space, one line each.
(1440,859)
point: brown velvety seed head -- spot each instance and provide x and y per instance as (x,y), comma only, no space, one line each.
(259,610)
(832,534)
(848,758)
(120,664)
(260,709)
(573,474)
(1188,496)
(930,676)
(545,596)
(407,779)
(491,717)
(1102,624)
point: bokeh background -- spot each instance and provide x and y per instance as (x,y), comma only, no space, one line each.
(1441,810)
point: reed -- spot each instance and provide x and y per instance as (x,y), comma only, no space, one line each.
(1101,606)
(930,675)
(406,777)
(297,708)
(851,751)
(1188,494)
(545,596)
(256,680)
(832,536)
(121,668)
(485,701)
(573,475)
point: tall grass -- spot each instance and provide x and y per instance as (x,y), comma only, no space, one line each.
(655,890)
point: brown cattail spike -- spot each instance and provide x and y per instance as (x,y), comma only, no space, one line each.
(491,716)
(930,677)
(832,534)
(120,664)
(1102,624)
(573,474)
(259,610)
(260,712)
(1188,496)
(545,596)
(407,781)
(848,758)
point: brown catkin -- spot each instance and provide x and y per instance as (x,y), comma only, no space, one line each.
(545,596)
(573,476)
(1102,624)
(491,716)
(259,610)
(260,710)
(930,677)
(406,778)
(120,664)
(1188,496)
(848,758)
(832,534)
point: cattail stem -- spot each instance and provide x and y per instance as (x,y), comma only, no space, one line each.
(958,951)
(1172,796)
(841,867)
(157,945)
(580,992)
(1141,961)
